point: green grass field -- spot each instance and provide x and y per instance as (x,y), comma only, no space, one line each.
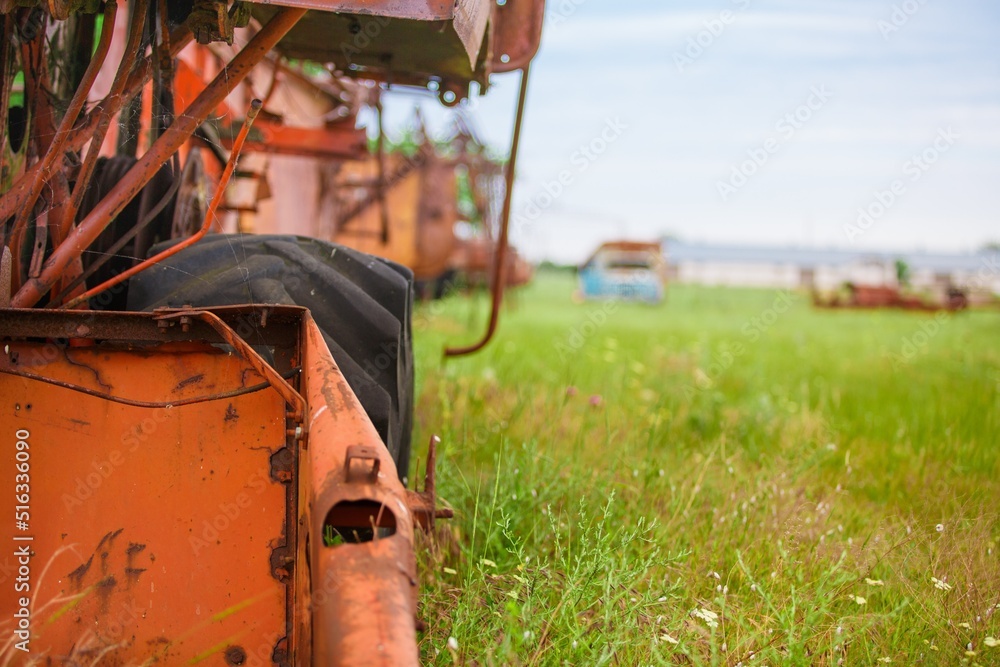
(730,478)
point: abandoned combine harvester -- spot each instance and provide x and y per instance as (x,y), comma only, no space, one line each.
(206,437)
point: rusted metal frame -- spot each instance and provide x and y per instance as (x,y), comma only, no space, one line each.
(420,10)
(339,142)
(287,392)
(90,228)
(500,260)
(58,145)
(418,160)
(381,183)
(41,111)
(423,504)
(517,33)
(7,57)
(12,200)
(72,284)
(362,596)
(163,73)
(106,110)
(10,370)
(220,193)
(271,325)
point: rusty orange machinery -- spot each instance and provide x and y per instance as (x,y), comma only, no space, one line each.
(173,497)
(888,296)
(178,497)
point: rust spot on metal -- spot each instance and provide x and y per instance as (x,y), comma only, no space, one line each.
(235,655)
(107,582)
(134,572)
(134,548)
(78,574)
(231,414)
(108,537)
(194,379)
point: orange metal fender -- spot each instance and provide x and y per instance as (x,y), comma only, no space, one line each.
(363,594)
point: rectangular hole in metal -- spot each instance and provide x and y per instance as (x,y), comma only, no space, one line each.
(356,521)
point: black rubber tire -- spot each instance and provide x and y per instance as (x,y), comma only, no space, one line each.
(362,303)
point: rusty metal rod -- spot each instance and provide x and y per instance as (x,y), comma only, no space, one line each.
(108,107)
(57,148)
(499,268)
(220,193)
(12,200)
(90,228)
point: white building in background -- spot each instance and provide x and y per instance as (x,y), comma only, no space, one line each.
(792,268)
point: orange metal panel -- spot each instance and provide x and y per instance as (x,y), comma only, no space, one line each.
(363,594)
(150,530)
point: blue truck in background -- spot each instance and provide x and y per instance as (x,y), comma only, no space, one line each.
(624,270)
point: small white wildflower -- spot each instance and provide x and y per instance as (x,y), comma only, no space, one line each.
(725,647)
(662,473)
(666,638)
(452,643)
(860,600)
(839,630)
(874,582)
(887,659)
(965,625)
(574,644)
(992,642)
(940,585)
(526,635)
(716,575)
(488,562)
(718,589)
(753,587)
(939,528)
(710,617)
(662,598)
(513,496)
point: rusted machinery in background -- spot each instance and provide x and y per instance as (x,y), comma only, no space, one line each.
(208,434)
(889,296)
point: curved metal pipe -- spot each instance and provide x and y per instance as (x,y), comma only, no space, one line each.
(213,206)
(58,145)
(500,261)
(109,106)
(90,228)
(13,200)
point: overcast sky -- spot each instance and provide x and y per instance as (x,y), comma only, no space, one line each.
(758,121)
